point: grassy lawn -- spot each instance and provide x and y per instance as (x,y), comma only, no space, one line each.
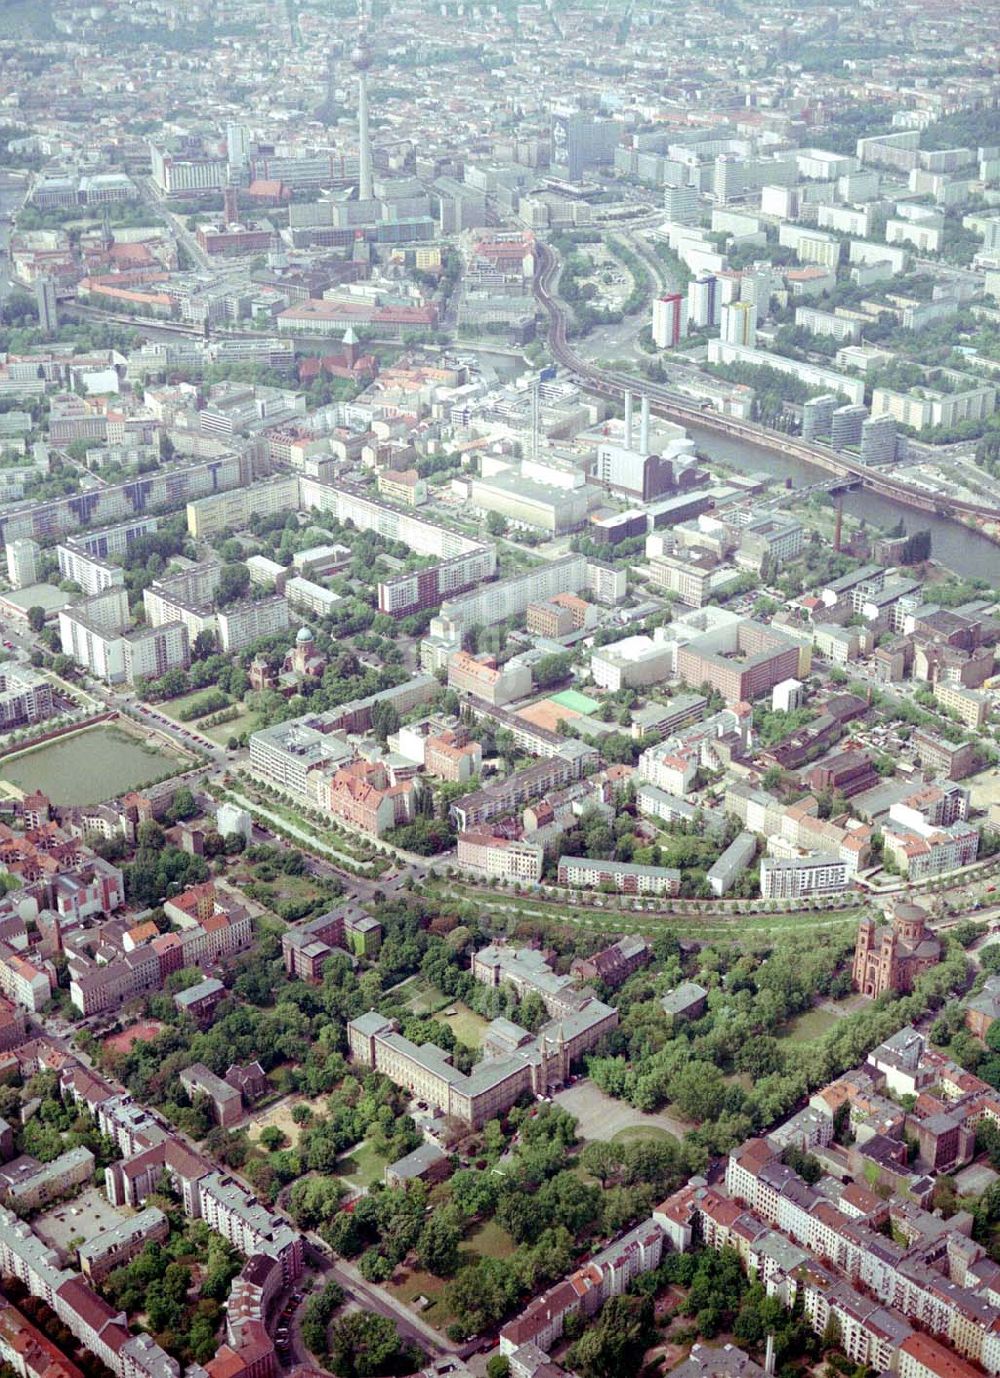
(804,1028)
(420,996)
(247,721)
(408,1284)
(468,1026)
(634,1133)
(489,1240)
(174,707)
(361,1166)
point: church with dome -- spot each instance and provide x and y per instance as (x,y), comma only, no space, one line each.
(303,662)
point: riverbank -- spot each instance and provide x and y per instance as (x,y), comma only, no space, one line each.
(960,547)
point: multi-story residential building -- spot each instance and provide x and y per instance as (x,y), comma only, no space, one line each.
(494,602)
(739,323)
(452,756)
(670,317)
(23,982)
(115,1246)
(482,678)
(462,563)
(94,632)
(231,511)
(970,707)
(92,572)
(669,768)
(226,1101)
(242,625)
(919,849)
(28,1351)
(581,873)
(363,795)
(742,660)
(25,696)
(40,1183)
(309,596)
(150,652)
(404,486)
(118,502)
(23,556)
(211,930)
(607,1274)
(566,763)
(297,756)
(501,857)
(113,540)
(802,877)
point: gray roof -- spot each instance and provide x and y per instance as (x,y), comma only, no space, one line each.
(683,997)
(418,1162)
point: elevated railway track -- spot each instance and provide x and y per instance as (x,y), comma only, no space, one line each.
(678,407)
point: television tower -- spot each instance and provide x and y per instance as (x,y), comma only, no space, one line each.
(361,59)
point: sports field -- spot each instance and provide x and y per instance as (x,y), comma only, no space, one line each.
(576,702)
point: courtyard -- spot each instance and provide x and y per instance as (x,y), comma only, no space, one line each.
(600,1116)
(71,1223)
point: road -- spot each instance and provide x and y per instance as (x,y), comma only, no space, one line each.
(370,1298)
(176,222)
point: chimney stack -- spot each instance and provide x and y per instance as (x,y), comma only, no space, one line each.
(769,1357)
(628,421)
(644,426)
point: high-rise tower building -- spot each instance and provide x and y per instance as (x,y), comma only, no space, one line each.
(669,320)
(48,310)
(361,58)
(739,323)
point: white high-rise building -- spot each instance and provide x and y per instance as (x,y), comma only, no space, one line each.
(669,320)
(22,562)
(681,205)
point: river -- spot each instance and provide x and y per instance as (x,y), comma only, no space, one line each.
(964,552)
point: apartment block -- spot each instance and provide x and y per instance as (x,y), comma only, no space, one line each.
(482,678)
(742,660)
(242,625)
(114,1247)
(25,696)
(91,572)
(231,511)
(501,857)
(580,873)
(802,877)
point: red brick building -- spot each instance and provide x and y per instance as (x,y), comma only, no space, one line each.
(892,956)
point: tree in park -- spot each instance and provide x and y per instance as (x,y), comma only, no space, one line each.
(36,618)
(437,1248)
(601,1159)
(364,1345)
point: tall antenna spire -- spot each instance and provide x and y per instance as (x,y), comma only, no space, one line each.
(362,60)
